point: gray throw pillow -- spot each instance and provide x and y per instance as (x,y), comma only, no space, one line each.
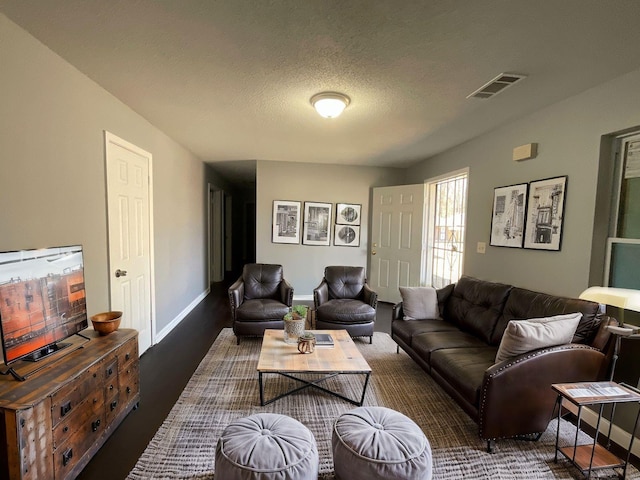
(522,336)
(419,303)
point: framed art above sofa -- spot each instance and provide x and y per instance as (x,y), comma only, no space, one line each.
(508,214)
(545,213)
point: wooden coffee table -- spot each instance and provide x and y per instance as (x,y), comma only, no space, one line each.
(344,358)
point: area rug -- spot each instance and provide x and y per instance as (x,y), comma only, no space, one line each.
(225,388)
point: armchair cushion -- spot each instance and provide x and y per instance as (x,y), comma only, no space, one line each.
(261,309)
(522,336)
(419,302)
(345,310)
(345,282)
(262,280)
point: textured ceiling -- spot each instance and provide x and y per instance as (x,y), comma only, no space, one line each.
(231,79)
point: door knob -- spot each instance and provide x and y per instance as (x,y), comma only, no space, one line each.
(373,252)
(121,273)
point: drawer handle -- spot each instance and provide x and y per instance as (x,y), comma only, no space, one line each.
(65,429)
(110,371)
(65,408)
(67,456)
(127,356)
(128,389)
(110,387)
(95,425)
(114,404)
(128,371)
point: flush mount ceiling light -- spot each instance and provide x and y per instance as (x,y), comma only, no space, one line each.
(330,104)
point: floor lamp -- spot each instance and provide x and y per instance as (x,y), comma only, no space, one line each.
(623,299)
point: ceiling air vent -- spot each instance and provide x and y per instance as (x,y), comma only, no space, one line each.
(496,85)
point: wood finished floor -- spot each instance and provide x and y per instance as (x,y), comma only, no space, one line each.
(165,369)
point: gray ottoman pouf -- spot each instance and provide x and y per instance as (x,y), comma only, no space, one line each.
(266,446)
(377,442)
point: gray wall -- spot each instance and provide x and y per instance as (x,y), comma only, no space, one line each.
(304,264)
(52,180)
(569,140)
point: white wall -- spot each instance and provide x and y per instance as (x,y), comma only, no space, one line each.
(52,175)
(304,264)
(569,138)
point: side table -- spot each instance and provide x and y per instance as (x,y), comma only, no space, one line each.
(594,456)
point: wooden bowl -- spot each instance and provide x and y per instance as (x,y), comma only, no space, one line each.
(106,322)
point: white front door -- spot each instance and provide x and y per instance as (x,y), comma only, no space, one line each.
(396,242)
(129,218)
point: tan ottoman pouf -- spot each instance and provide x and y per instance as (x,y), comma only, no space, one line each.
(379,443)
(266,446)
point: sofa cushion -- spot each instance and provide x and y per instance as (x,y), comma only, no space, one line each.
(463,369)
(523,303)
(425,344)
(406,329)
(522,336)
(476,305)
(419,302)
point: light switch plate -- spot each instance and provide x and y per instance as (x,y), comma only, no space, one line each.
(482,247)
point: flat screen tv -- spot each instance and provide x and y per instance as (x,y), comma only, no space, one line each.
(42,301)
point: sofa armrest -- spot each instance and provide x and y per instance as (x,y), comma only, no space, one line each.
(286,293)
(369,296)
(236,295)
(397,312)
(320,294)
(516,397)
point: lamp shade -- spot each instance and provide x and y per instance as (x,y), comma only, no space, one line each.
(330,104)
(626,298)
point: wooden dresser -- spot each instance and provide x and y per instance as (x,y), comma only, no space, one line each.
(54,422)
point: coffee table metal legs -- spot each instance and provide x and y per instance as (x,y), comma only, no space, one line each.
(314,384)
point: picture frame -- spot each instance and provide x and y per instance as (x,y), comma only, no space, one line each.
(545,213)
(317,223)
(508,215)
(346,235)
(286,222)
(348,213)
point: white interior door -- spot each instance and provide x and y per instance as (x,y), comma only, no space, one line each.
(129,218)
(396,251)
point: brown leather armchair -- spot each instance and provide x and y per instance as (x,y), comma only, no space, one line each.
(344,300)
(259,299)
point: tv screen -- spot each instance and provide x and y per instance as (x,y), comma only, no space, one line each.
(42,300)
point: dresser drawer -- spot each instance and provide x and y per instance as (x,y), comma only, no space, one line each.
(127,352)
(66,399)
(87,412)
(70,452)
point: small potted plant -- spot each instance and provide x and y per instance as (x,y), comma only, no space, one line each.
(307,342)
(294,323)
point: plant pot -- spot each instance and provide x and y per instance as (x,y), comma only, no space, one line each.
(293,329)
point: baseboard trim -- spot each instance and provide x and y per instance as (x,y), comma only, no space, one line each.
(176,321)
(303,298)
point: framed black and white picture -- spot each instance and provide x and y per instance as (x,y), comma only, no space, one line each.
(348,213)
(507,217)
(347,236)
(545,214)
(317,221)
(286,222)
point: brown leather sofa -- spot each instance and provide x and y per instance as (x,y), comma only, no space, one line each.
(512,398)
(259,299)
(344,300)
